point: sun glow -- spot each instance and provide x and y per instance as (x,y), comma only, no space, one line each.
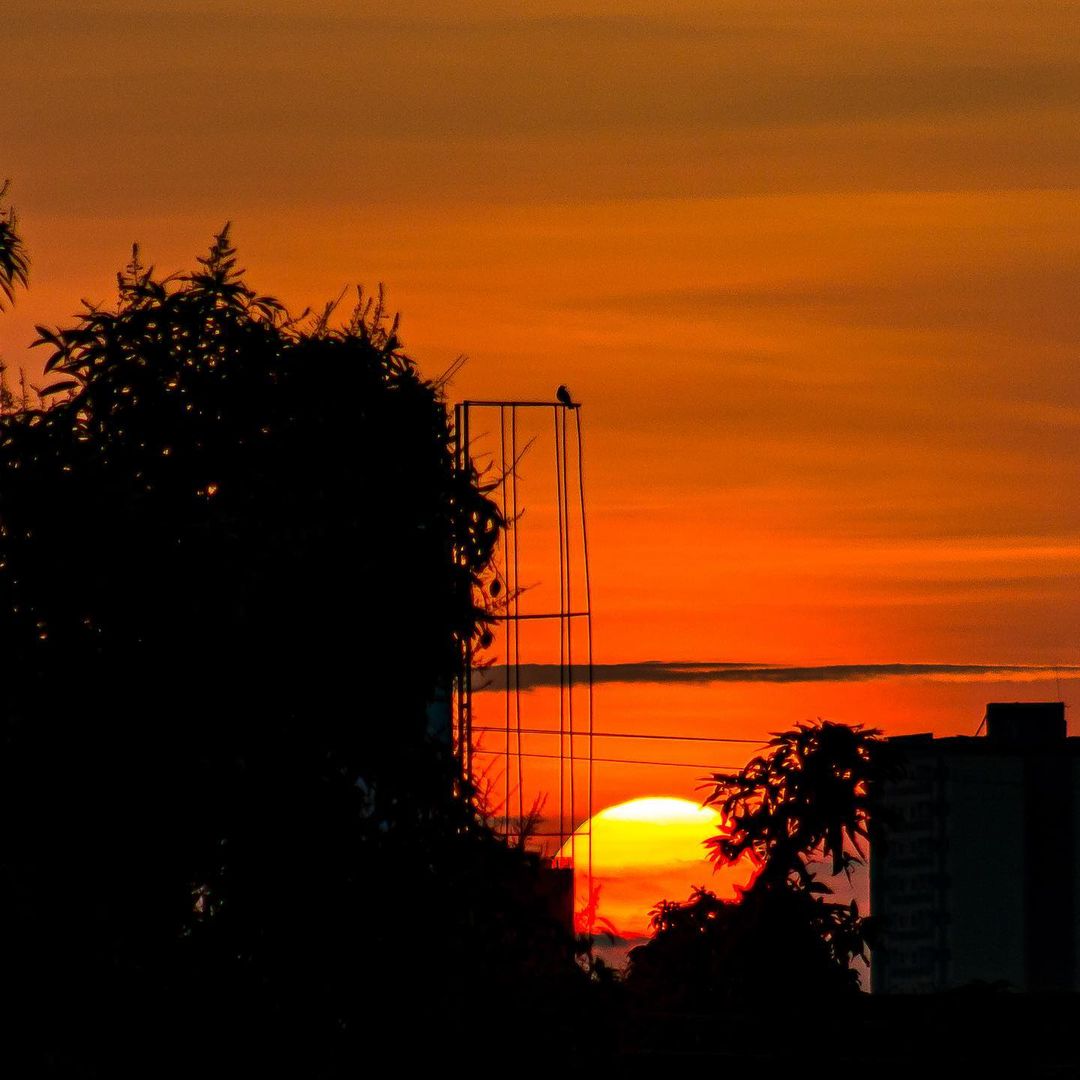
(643,851)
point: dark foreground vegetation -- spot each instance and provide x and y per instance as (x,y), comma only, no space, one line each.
(237,566)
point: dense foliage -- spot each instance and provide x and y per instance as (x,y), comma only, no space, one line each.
(770,943)
(237,565)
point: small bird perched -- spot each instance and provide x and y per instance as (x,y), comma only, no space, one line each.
(563,396)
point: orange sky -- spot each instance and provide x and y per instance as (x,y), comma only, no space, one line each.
(811,266)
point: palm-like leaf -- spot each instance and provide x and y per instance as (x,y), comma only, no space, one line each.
(14,261)
(809,795)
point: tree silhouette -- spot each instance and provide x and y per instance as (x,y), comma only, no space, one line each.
(14,271)
(770,943)
(809,797)
(237,563)
(14,261)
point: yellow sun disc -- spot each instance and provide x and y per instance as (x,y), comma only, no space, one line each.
(644,851)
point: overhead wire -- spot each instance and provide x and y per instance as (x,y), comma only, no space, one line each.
(630,761)
(640,735)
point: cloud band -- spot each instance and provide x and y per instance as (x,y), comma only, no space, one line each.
(539,676)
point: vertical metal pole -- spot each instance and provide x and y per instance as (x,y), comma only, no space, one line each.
(461,674)
(589,636)
(506,624)
(569,637)
(562,624)
(516,603)
(569,619)
(467,689)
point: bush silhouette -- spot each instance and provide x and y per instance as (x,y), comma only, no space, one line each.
(779,944)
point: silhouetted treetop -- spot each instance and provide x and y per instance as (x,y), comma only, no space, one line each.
(810,794)
(14,260)
(209,462)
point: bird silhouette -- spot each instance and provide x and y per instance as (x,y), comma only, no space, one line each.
(564,396)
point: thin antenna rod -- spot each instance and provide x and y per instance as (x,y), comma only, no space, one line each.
(563,661)
(464,676)
(517,606)
(466,695)
(589,650)
(569,635)
(506,581)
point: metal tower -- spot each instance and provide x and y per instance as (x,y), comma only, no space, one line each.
(523,707)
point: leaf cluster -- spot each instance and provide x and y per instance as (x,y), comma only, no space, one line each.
(14,260)
(809,796)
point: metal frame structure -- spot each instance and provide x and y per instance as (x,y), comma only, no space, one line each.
(574,732)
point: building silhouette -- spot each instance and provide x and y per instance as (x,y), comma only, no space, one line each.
(974,861)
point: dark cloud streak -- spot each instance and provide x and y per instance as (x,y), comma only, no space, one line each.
(537,676)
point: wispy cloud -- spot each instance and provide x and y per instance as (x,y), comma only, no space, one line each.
(537,676)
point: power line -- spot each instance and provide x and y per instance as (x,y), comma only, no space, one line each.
(627,761)
(635,735)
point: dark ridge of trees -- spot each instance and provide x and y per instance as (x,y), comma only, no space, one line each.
(809,797)
(236,566)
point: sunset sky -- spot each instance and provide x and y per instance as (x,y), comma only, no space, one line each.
(812,268)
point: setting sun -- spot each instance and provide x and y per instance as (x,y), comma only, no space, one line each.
(643,851)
